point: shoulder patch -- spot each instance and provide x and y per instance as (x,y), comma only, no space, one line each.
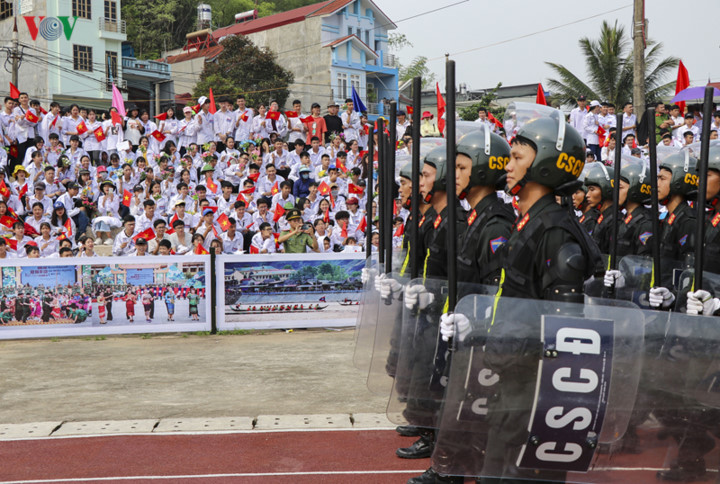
(472,217)
(644,237)
(683,239)
(716,219)
(495,244)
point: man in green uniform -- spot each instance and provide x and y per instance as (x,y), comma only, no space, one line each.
(297,239)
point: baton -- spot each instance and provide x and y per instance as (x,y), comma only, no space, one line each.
(654,204)
(415,193)
(702,188)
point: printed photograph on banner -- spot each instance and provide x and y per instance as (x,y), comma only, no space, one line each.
(108,295)
(288,291)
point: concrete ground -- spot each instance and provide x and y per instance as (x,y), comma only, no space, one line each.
(172,376)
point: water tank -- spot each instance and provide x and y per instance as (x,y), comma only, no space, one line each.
(245,16)
(204,13)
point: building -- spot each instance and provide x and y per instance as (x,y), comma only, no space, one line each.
(330,46)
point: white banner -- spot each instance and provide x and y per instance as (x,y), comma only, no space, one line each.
(104,295)
(284,291)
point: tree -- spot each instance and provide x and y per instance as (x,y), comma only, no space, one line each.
(147,26)
(470,113)
(418,67)
(609,64)
(244,68)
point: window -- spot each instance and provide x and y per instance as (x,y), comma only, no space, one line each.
(111,62)
(111,10)
(342,85)
(367,37)
(350,31)
(6,10)
(81,8)
(82,58)
(355,82)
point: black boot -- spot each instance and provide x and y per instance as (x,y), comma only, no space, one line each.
(432,477)
(408,430)
(421,449)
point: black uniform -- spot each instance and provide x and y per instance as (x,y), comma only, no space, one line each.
(712,243)
(602,233)
(589,219)
(677,241)
(548,256)
(635,233)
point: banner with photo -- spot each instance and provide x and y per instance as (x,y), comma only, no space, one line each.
(284,291)
(104,295)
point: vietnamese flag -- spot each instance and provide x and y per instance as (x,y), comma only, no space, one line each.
(14,151)
(354,189)
(224,222)
(279,212)
(200,250)
(363,225)
(196,109)
(324,189)
(602,135)
(344,232)
(32,117)
(52,125)
(241,198)
(274,115)
(244,117)
(147,234)
(161,116)
(22,191)
(173,219)
(212,109)
(495,120)
(14,91)
(116,118)
(440,108)
(307,120)
(247,191)
(340,165)
(254,177)
(683,82)
(30,231)
(326,216)
(4,190)
(99,134)
(400,231)
(367,129)
(68,226)
(127,197)
(540,96)
(211,185)
(82,128)
(410,110)
(12,243)
(254,250)
(159,137)
(275,189)
(7,221)
(292,114)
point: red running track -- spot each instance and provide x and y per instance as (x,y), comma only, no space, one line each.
(298,457)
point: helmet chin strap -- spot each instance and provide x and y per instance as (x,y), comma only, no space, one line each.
(517,187)
(429,196)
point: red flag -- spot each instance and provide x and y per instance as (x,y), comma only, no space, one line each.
(170,231)
(602,136)
(14,91)
(214,209)
(540,96)
(14,151)
(212,186)
(22,192)
(159,137)
(410,110)
(324,189)
(173,219)
(30,231)
(4,190)
(275,238)
(363,153)
(683,82)
(241,198)
(291,114)
(275,189)
(247,191)
(244,117)
(274,115)
(307,119)
(395,209)
(68,226)
(326,216)
(147,234)
(99,134)
(367,129)
(13,213)
(254,250)
(495,120)
(344,232)
(127,197)
(254,177)
(54,121)
(196,109)
(200,250)
(12,243)
(212,109)
(400,231)
(354,189)
(61,237)
(332,201)
(30,116)
(82,128)
(363,225)
(116,118)
(340,165)
(440,108)
(161,116)
(279,212)
(224,222)
(7,221)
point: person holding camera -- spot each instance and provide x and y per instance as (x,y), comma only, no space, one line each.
(299,237)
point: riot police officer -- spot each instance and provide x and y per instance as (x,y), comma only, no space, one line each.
(600,195)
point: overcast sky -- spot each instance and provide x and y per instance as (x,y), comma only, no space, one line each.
(475,24)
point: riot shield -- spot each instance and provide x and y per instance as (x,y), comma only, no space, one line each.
(424,359)
(536,386)
(639,278)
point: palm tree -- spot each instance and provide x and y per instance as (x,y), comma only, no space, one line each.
(609,63)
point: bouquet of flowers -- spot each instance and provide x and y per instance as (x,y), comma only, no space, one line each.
(207,157)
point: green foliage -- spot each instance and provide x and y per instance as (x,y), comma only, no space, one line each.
(397,41)
(470,113)
(327,271)
(418,67)
(244,68)
(609,65)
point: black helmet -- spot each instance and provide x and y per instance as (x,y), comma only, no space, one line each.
(714,157)
(560,152)
(437,158)
(684,179)
(406,171)
(637,177)
(599,176)
(489,154)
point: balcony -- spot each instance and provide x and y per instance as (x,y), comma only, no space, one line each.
(145,70)
(120,83)
(389,61)
(112,29)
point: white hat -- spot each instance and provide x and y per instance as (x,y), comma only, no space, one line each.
(595,104)
(202,100)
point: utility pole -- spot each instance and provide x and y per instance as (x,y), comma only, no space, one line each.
(15,53)
(639,56)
